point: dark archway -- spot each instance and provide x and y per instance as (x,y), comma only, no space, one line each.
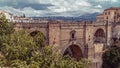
(99,36)
(34,33)
(74,51)
(39,38)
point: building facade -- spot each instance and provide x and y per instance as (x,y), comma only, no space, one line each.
(8,16)
(110,15)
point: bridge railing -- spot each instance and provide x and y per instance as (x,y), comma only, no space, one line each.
(28,21)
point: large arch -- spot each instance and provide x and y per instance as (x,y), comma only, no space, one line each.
(74,51)
(99,36)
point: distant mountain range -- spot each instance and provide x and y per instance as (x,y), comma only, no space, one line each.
(85,17)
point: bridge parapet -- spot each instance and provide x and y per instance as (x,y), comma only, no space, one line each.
(29,21)
(30,25)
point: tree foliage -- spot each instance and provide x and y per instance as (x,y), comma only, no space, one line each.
(18,45)
(46,58)
(111,58)
(20,50)
(40,39)
(5,26)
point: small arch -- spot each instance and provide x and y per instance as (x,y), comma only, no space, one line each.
(72,35)
(34,33)
(99,36)
(74,51)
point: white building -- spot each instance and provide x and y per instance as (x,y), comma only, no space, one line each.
(20,19)
(8,16)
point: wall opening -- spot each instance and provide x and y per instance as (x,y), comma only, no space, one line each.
(99,36)
(34,33)
(74,51)
(72,35)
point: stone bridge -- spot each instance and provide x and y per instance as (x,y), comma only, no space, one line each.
(77,39)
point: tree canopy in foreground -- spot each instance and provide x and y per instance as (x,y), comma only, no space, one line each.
(111,58)
(5,26)
(19,50)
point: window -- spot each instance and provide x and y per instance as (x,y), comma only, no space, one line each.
(115,12)
(107,17)
(72,35)
(109,13)
(105,13)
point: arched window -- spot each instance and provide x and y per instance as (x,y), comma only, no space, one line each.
(72,35)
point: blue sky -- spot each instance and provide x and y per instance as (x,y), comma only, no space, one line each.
(56,7)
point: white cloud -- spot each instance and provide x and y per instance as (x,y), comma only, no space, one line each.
(98,6)
(82,3)
(69,5)
(114,0)
(106,0)
(11,10)
(60,7)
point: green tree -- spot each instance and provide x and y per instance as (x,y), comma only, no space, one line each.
(20,50)
(111,58)
(18,64)
(40,39)
(47,58)
(5,26)
(18,45)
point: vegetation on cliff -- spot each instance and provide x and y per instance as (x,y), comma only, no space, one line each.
(111,58)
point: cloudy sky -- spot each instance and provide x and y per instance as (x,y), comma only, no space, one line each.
(56,7)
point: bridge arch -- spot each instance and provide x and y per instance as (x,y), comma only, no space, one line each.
(33,33)
(74,51)
(99,36)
